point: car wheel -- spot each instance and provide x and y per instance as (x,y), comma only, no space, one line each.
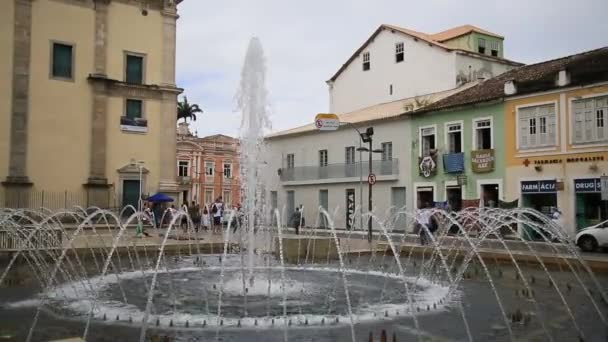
(587,243)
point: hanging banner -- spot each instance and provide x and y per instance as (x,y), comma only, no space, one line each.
(427,165)
(604,187)
(482,160)
(350,208)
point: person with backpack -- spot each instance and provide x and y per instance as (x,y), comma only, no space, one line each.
(217,209)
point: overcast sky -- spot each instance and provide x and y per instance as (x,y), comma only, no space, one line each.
(306,42)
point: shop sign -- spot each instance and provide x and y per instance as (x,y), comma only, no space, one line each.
(327,122)
(587,185)
(535,187)
(482,160)
(350,208)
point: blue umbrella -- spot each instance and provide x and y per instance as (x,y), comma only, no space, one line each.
(159,197)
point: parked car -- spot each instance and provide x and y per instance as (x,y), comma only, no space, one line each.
(590,238)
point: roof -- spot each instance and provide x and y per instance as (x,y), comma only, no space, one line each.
(585,68)
(381,111)
(429,38)
(461,31)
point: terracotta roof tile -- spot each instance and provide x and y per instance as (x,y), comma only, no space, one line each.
(460,31)
(584,68)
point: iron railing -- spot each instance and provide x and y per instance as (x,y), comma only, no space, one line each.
(336,171)
(29,238)
(54,200)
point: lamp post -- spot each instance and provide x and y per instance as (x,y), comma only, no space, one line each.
(366,137)
(140,165)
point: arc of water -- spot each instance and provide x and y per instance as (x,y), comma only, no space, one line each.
(144,325)
(342,270)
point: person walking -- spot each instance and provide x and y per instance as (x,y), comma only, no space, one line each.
(218,211)
(296,220)
(423,220)
(205,218)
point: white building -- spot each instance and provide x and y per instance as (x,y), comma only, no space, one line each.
(397,63)
(312,168)
(393,73)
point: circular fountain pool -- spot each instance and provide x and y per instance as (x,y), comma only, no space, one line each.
(187,296)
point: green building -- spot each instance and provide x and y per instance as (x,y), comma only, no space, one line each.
(457,155)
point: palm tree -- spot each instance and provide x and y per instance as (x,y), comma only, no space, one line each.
(186,110)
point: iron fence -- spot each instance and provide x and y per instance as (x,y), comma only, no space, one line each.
(55,200)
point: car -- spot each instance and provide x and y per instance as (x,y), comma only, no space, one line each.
(591,238)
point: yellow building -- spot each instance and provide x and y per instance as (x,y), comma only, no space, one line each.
(87,101)
(556,137)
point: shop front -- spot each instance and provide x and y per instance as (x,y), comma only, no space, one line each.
(590,209)
(539,195)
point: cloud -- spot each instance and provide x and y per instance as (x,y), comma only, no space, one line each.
(306,42)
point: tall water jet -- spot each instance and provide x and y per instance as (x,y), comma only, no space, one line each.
(252,102)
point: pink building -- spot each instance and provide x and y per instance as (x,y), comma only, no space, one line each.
(208,167)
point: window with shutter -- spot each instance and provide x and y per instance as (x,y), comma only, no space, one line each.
(590,120)
(523,133)
(133,109)
(62,61)
(134,72)
(537,126)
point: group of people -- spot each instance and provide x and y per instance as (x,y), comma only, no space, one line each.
(205,218)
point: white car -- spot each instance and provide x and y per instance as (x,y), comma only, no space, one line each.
(590,238)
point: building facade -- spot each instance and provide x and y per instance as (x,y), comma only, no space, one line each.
(397,63)
(314,169)
(207,168)
(549,132)
(460,157)
(88,98)
(557,150)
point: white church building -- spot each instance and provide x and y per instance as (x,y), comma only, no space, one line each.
(394,72)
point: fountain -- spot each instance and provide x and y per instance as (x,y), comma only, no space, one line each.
(83,272)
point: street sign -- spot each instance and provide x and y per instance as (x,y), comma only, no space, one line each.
(327,122)
(371,179)
(604,185)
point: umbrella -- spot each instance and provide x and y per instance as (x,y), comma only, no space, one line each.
(159,197)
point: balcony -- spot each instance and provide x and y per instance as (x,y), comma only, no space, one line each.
(138,125)
(339,173)
(184,180)
(453,162)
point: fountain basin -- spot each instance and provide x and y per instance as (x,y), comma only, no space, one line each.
(308,249)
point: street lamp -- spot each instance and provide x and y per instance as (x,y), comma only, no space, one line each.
(140,165)
(366,137)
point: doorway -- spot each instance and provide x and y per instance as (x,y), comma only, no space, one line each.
(130,192)
(291,204)
(541,202)
(489,195)
(424,197)
(323,202)
(398,202)
(454,198)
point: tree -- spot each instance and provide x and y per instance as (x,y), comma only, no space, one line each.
(186,110)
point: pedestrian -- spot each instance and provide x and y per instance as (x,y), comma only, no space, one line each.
(217,209)
(193,212)
(296,218)
(205,218)
(423,220)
